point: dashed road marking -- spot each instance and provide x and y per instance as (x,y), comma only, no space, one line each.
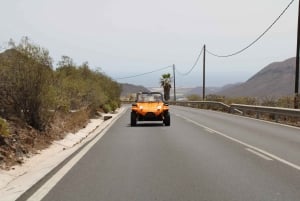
(261,151)
(259,154)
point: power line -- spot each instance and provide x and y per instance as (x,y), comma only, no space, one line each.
(258,38)
(196,62)
(213,54)
(138,75)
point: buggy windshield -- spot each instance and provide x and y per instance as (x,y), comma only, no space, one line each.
(149,97)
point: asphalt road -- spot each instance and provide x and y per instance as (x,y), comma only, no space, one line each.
(203,155)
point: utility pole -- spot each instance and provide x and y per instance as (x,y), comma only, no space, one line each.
(203,87)
(296,99)
(174,82)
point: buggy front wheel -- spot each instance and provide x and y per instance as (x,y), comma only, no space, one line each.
(133,119)
(167,119)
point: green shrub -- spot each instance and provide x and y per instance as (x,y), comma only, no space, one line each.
(106,108)
(114,105)
(4,131)
(29,83)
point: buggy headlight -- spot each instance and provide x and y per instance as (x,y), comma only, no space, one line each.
(141,107)
(159,107)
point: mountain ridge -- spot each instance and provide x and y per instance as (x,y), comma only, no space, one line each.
(275,80)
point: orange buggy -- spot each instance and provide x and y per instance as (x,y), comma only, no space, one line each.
(150,106)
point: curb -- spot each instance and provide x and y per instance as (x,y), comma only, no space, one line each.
(39,167)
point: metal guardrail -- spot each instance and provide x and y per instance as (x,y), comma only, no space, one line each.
(203,105)
(277,111)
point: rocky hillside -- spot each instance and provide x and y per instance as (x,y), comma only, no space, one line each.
(199,91)
(275,80)
(128,89)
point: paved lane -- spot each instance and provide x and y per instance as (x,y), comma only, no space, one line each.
(283,141)
(183,162)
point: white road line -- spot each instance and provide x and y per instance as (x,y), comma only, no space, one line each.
(43,190)
(46,187)
(209,130)
(259,154)
(297,167)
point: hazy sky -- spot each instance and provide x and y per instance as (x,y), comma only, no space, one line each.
(128,37)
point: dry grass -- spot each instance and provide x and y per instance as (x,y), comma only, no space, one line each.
(24,140)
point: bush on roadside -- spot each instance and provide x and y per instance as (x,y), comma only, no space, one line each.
(33,91)
(26,70)
(4,131)
(106,108)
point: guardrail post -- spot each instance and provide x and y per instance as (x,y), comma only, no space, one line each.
(276,118)
(257,115)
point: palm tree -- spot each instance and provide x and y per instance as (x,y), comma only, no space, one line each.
(165,82)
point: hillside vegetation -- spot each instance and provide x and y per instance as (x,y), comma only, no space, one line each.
(39,103)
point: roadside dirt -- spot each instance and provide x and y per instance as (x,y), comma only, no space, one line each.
(24,141)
